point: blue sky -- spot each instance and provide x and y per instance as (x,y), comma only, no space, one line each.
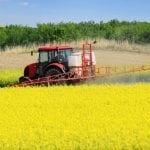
(31,12)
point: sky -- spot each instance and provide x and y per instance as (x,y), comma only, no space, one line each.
(31,12)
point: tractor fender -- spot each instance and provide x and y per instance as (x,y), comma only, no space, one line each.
(55,65)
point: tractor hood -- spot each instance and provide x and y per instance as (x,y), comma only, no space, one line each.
(30,70)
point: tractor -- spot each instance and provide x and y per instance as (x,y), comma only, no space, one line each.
(58,62)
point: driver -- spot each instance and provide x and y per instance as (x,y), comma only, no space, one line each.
(61,56)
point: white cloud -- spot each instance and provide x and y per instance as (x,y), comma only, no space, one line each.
(24,4)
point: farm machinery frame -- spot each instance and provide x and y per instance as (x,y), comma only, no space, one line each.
(59,64)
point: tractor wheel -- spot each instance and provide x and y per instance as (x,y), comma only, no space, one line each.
(54,71)
(23,79)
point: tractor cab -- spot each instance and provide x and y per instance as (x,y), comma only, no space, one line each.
(57,54)
(53,57)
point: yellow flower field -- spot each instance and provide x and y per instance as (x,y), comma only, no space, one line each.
(75,117)
(9,77)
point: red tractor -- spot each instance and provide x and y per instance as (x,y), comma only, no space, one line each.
(60,63)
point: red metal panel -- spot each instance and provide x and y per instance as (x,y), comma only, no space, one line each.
(54,47)
(61,66)
(32,70)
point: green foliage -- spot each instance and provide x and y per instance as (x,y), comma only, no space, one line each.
(3,38)
(14,35)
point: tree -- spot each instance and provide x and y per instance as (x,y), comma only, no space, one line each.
(3,38)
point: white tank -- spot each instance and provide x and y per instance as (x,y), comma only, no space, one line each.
(75,60)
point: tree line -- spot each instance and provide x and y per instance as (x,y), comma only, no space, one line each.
(14,35)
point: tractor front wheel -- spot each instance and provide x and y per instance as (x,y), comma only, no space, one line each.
(24,79)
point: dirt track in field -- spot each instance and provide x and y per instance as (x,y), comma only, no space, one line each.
(103,57)
(108,57)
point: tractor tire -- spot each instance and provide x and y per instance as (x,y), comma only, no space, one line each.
(23,79)
(51,72)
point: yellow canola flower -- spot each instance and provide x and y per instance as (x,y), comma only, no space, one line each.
(75,117)
(9,77)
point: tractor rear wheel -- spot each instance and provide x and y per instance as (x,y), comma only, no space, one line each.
(53,72)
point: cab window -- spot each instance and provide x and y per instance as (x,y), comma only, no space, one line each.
(43,57)
(53,56)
